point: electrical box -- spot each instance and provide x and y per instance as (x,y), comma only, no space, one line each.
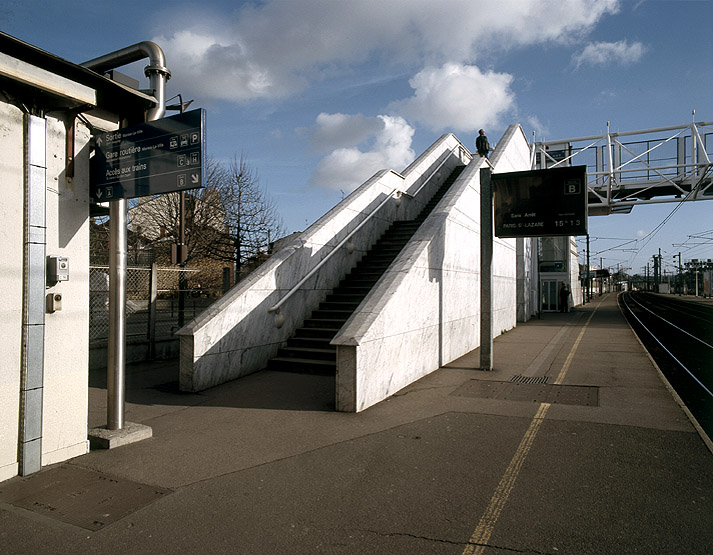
(57,269)
(54,302)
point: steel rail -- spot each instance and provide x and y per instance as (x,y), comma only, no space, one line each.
(672,324)
(693,310)
(665,349)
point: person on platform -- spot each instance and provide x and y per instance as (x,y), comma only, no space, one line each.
(564,298)
(482,146)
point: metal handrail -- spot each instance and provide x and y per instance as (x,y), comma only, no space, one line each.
(276,306)
(425,181)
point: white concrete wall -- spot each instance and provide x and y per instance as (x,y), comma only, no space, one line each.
(237,336)
(66,380)
(425,310)
(11,280)
(65,391)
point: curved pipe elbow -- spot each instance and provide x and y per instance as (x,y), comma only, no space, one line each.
(156,71)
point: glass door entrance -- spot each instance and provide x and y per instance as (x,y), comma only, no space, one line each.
(549,295)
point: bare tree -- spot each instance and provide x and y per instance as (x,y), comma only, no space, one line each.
(154,221)
(250,215)
(232,219)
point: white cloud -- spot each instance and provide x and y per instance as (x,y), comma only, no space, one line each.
(457,97)
(541,130)
(277,48)
(603,53)
(346,168)
(335,131)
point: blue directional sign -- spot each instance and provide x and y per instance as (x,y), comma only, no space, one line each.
(151,158)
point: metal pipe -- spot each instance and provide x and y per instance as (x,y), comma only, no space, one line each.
(156,71)
(115,385)
(610,165)
(33,317)
(157,74)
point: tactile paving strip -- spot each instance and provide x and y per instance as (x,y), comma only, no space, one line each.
(586,396)
(77,496)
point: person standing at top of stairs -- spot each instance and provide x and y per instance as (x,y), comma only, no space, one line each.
(482,146)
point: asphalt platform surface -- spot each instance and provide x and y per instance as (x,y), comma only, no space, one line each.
(572,445)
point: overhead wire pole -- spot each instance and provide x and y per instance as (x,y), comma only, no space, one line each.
(589,277)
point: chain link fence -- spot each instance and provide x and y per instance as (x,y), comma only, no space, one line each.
(159,301)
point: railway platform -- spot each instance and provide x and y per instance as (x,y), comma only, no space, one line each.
(572,445)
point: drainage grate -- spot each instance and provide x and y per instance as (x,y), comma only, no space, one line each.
(585,396)
(530,379)
(77,496)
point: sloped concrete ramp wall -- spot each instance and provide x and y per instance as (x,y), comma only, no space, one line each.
(425,311)
(237,335)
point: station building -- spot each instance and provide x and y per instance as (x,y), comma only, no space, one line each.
(49,110)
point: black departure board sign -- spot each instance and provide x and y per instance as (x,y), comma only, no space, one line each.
(151,158)
(541,203)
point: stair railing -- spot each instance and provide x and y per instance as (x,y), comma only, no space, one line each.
(280,318)
(461,153)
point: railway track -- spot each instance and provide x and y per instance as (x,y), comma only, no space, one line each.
(678,333)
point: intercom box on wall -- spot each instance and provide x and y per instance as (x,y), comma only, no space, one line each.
(57,269)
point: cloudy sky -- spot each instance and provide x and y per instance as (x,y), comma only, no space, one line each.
(320,94)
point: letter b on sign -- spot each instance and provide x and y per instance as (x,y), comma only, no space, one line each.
(572,186)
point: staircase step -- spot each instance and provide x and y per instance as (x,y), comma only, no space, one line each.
(321,314)
(309,349)
(312,342)
(324,323)
(337,297)
(349,305)
(307,353)
(354,289)
(303,366)
(366,271)
(315,333)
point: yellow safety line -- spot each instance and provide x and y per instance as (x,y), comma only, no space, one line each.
(570,356)
(479,540)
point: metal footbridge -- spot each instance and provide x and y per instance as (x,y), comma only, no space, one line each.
(625,169)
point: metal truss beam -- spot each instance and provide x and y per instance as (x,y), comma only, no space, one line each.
(625,169)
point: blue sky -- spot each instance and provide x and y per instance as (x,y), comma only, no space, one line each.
(320,94)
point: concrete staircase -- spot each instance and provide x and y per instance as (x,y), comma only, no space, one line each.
(309,349)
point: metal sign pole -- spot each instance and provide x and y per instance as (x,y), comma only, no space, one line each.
(117,314)
(486,270)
